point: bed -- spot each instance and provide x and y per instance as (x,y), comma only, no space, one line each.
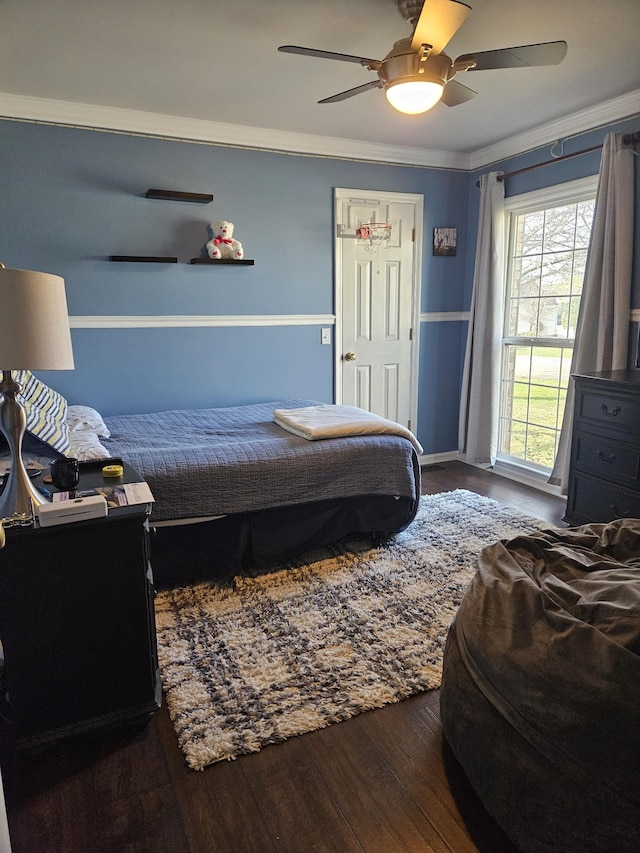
(234,490)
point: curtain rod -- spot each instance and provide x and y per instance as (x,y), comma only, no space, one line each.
(628,139)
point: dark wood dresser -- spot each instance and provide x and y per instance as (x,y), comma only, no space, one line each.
(604,478)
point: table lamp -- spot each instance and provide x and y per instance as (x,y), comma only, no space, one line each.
(34,335)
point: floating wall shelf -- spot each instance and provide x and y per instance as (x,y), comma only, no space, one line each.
(176,195)
(143,259)
(221,261)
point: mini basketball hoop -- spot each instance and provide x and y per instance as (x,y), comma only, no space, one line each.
(374,234)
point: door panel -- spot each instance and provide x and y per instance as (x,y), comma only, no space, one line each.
(363,301)
(393,304)
(391,392)
(363,387)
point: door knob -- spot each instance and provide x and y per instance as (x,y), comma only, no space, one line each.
(350,356)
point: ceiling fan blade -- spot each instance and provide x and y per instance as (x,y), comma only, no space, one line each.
(349,93)
(548,53)
(329,54)
(455,93)
(438,22)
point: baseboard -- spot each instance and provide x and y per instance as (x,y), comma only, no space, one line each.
(435,458)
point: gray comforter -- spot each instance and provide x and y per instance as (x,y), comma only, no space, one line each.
(208,462)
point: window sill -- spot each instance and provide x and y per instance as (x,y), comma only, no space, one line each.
(527,476)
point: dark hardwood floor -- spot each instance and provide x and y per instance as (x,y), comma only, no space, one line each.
(382,782)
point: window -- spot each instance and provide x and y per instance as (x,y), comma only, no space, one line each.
(548,240)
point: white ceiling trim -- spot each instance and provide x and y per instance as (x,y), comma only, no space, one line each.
(197,130)
(611,111)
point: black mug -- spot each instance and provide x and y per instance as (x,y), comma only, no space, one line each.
(65,473)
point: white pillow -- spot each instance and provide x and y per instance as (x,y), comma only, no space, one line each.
(86,419)
(85,445)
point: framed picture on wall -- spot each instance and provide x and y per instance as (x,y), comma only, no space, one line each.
(445,241)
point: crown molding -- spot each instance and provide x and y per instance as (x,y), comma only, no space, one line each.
(240,136)
(197,130)
(609,112)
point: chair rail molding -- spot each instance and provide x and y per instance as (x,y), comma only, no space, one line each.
(169,321)
(444,316)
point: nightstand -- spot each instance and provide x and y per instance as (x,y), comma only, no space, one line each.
(77,624)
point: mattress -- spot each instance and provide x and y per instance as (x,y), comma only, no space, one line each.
(212,462)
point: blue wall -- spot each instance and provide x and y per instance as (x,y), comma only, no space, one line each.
(71,197)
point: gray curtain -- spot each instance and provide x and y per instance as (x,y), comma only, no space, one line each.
(478,425)
(602,332)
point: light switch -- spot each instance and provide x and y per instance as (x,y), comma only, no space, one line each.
(325,336)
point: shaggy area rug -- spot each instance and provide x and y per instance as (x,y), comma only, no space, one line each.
(353,628)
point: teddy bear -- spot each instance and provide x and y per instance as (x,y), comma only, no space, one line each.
(222,244)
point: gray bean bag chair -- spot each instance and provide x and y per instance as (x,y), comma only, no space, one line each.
(540,698)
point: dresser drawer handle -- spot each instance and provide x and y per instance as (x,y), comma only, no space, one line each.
(601,457)
(613,413)
(620,513)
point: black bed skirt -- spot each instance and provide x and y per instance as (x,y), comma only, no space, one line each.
(188,553)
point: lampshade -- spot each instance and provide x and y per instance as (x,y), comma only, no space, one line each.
(414,96)
(34,335)
(34,322)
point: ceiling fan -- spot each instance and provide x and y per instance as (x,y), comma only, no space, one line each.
(416,73)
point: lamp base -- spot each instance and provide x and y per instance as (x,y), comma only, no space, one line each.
(19,498)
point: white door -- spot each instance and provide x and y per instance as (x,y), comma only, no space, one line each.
(377,304)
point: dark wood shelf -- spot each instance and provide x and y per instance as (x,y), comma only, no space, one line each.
(176,195)
(221,261)
(143,259)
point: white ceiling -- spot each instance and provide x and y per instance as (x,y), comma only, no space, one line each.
(218,62)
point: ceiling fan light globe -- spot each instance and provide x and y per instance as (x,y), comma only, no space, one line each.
(413,97)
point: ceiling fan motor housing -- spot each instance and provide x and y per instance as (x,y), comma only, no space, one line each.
(410,10)
(402,63)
